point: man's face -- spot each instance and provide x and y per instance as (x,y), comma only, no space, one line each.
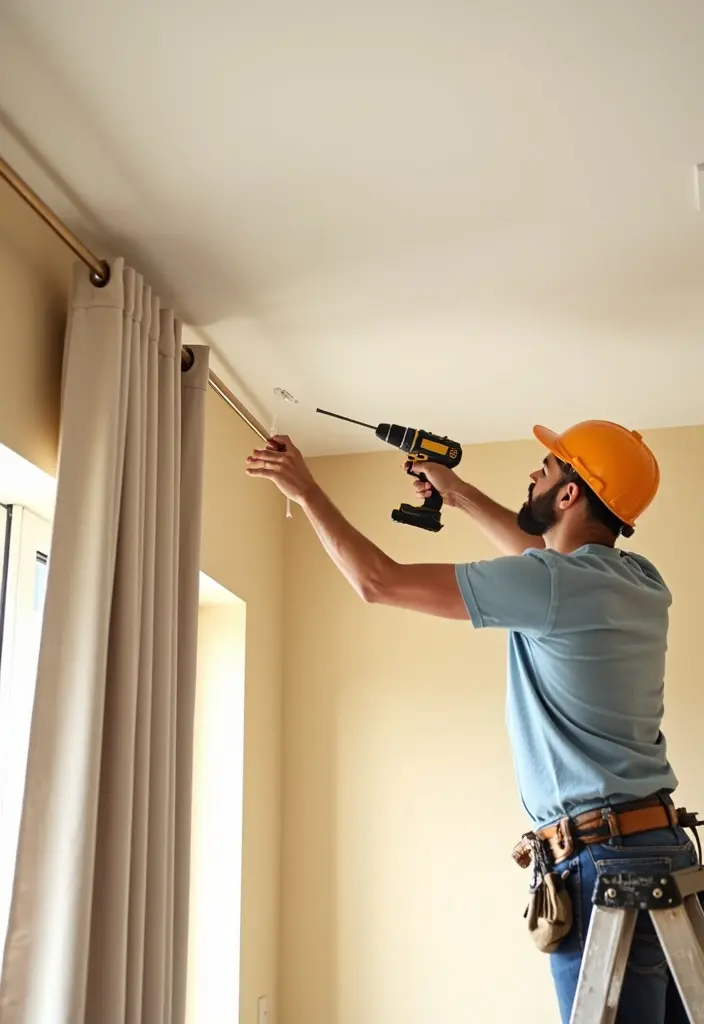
(538,514)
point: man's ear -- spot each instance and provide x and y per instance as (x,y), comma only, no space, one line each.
(569,496)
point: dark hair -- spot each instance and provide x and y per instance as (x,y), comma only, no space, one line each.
(597,509)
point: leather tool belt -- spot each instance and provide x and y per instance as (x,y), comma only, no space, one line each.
(598,826)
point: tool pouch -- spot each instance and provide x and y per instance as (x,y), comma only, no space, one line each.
(549,912)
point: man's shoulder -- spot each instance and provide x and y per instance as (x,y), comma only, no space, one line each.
(644,565)
(541,554)
(598,559)
(614,561)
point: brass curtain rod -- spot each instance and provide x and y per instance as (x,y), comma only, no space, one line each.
(100,275)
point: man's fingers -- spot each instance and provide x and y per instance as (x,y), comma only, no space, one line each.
(281,442)
(262,469)
(266,455)
(263,462)
(261,452)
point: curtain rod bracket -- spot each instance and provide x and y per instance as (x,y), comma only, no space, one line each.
(187,359)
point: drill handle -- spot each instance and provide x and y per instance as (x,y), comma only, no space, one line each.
(433,503)
(426,516)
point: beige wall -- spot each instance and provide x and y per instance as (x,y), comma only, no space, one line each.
(401,904)
(242,547)
(35,270)
(243,533)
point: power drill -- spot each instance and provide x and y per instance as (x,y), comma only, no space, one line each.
(420,446)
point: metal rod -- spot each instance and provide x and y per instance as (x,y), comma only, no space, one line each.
(337,416)
(100,272)
(242,411)
(100,275)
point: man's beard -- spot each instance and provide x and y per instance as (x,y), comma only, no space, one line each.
(537,515)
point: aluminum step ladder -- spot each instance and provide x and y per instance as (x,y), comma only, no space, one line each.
(676,912)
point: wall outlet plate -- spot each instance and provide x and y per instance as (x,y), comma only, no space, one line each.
(263,1010)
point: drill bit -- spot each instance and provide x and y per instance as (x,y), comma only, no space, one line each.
(347,419)
(286,396)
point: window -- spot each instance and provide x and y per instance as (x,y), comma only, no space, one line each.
(24,547)
(218,769)
(213,979)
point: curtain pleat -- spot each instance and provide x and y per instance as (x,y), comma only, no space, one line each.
(99,921)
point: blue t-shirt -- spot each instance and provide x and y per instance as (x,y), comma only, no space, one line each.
(586,665)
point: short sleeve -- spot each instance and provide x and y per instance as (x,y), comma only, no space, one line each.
(517,592)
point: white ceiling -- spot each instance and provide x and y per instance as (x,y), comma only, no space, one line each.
(467,216)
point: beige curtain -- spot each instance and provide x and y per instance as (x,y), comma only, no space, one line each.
(98,929)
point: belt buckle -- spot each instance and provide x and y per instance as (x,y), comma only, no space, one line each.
(609,818)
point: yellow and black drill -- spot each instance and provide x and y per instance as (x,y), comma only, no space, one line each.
(420,446)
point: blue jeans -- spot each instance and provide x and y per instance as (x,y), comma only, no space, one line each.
(644,997)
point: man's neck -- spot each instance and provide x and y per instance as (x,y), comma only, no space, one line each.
(565,541)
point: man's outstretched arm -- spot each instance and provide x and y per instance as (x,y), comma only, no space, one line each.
(495,521)
(376,577)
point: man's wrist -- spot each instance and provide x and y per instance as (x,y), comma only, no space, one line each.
(462,495)
(310,496)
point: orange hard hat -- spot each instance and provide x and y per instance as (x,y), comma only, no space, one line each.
(614,461)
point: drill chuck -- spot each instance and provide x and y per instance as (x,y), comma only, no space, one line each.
(395,434)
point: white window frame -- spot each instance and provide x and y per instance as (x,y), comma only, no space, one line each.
(30,537)
(4,516)
(26,540)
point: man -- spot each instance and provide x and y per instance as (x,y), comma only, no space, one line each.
(587,639)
